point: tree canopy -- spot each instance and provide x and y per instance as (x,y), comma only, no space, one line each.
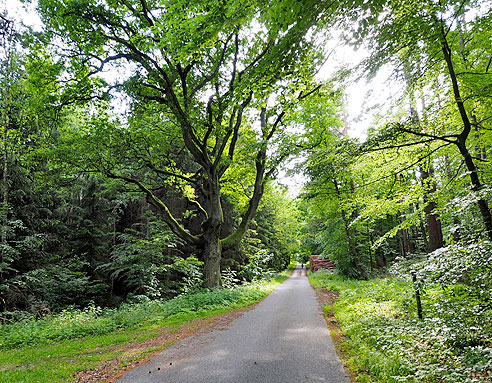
(144,144)
(208,83)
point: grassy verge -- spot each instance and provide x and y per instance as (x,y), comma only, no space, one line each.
(385,342)
(55,348)
(292,265)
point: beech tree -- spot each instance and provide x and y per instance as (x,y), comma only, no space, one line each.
(209,68)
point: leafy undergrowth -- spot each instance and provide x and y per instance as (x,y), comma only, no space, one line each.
(56,347)
(386,342)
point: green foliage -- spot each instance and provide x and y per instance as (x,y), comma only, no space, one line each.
(457,282)
(189,129)
(386,341)
(210,88)
(144,264)
(277,227)
(271,241)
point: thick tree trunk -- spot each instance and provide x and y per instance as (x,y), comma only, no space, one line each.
(212,254)
(212,246)
(433,227)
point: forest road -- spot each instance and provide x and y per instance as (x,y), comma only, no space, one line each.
(283,339)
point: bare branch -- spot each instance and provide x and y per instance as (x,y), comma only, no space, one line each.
(234,61)
(369,150)
(234,132)
(209,122)
(445,138)
(214,73)
(393,174)
(237,235)
(256,60)
(146,12)
(488,65)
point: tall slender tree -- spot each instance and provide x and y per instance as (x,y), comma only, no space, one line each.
(428,31)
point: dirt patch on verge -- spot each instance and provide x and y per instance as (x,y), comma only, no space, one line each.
(133,354)
(328,298)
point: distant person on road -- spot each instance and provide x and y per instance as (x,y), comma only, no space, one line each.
(302,265)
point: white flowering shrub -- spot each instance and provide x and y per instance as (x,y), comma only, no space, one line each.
(466,265)
(453,341)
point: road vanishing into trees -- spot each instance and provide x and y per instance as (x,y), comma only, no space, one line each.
(283,339)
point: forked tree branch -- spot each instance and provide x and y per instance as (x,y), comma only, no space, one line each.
(173,224)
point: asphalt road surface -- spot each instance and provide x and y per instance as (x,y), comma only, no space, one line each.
(284,339)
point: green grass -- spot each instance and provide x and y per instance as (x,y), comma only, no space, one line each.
(292,265)
(386,342)
(55,348)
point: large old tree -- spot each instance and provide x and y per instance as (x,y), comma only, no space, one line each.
(216,77)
